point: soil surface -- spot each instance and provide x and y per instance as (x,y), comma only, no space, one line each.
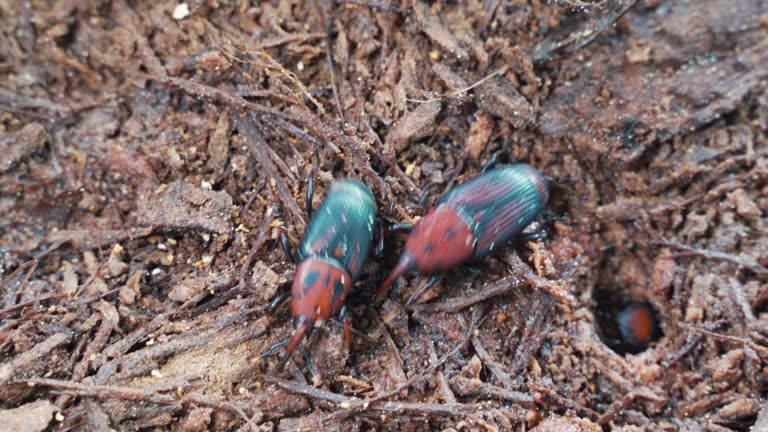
(152,154)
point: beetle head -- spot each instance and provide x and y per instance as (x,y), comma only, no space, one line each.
(319,290)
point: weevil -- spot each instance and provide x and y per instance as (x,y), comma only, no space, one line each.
(638,326)
(471,220)
(331,256)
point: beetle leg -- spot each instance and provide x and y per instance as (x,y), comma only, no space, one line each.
(347,326)
(310,193)
(400,228)
(379,248)
(286,245)
(491,162)
(303,327)
(278,300)
(472,269)
(433,280)
(531,236)
(274,348)
(422,201)
(308,361)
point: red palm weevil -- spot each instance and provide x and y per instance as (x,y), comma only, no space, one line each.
(470,220)
(331,256)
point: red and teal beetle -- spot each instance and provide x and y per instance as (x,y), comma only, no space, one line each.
(471,220)
(331,256)
(638,326)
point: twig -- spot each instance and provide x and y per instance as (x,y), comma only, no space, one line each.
(714,335)
(215,94)
(344,402)
(583,37)
(563,401)
(31,263)
(535,330)
(498,72)
(265,227)
(247,126)
(274,42)
(138,394)
(740,261)
(559,291)
(106,391)
(14,100)
(468,387)
(199,399)
(456,304)
(429,369)
(13,368)
(328,25)
(495,367)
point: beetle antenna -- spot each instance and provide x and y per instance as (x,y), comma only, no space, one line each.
(301,330)
(406,263)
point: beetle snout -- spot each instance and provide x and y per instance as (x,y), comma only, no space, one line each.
(301,321)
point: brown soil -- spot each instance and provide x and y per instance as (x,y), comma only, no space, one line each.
(150,159)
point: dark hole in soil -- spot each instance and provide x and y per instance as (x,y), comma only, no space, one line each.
(624,325)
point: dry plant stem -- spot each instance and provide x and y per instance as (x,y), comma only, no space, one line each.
(496,368)
(615,409)
(13,100)
(562,401)
(500,287)
(21,362)
(413,408)
(106,391)
(362,404)
(356,155)
(247,125)
(96,344)
(465,89)
(328,25)
(557,290)
(216,95)
(739,299)
(443,389)
(467,387)
(533,333)
(32,264)
(260,239)
(583,37)
(138,394)
(274,42)
(740,261)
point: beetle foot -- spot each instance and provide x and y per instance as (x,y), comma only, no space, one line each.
(285,244)
(277,301)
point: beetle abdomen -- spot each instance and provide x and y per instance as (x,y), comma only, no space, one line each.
(342,228)
(499,203)
(637,324)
